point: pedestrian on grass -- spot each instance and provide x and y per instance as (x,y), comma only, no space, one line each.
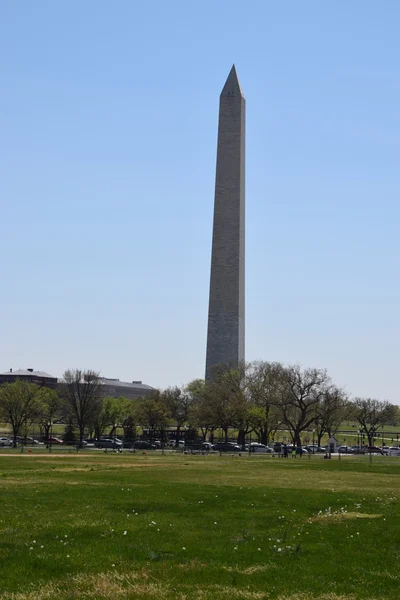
(294,452)
(285,451)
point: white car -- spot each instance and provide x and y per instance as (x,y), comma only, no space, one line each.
(256,447)
(5,441)
(393,451)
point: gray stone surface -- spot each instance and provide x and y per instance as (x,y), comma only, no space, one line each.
(226,315)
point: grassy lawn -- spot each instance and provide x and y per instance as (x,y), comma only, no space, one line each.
(97,526)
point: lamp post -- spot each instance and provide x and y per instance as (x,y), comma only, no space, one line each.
(49,429)
(250,445)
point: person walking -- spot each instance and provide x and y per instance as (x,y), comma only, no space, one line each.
(285,451)
(294,452)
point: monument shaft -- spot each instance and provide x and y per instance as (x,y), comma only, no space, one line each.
(226,315)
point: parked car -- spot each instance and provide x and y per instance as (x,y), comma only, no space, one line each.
(227,447)
(278,447)
(374,450)
(5,442)
(172,443)
(106,443)
(29,441)
(128,443)
(207,446)
(357,449)
(315,449)
(144,445)
(394,451)
(344,450)
(258,448)
(55,441)
(89,443)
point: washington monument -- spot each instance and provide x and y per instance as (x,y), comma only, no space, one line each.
(225,336)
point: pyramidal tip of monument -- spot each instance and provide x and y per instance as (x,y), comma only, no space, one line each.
(232,84)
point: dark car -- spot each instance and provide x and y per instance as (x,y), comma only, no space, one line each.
(227,447)
(374,450)
(143,445)
(114,444)
(29,441)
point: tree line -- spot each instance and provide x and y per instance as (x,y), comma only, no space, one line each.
(258,397)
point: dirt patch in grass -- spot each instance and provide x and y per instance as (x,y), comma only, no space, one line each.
(250,570)
(343,516)
(132,585)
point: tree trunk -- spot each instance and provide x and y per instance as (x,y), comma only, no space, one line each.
(225,430)
(241,437)
(15,433)
(81,434)
(177,436)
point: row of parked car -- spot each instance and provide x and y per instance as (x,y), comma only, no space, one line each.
(383,450)
(115,443)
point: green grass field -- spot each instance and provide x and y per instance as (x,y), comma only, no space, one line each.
(197,527)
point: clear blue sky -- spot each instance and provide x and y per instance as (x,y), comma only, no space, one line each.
(108,119)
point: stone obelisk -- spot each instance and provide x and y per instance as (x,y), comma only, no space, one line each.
(226,313)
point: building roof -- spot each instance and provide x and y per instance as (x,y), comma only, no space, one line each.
(137,385)
(29,373)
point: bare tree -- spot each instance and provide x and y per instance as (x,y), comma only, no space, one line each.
(301,393)
(224,402)
(371,414)
(82,396)
(264,386)
(331,412)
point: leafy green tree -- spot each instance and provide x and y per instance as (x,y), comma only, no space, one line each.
(199,416)
(49,409)
(178,405)
(108,416)
(152,414)
(19,404)
(69,434)
(224,402)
